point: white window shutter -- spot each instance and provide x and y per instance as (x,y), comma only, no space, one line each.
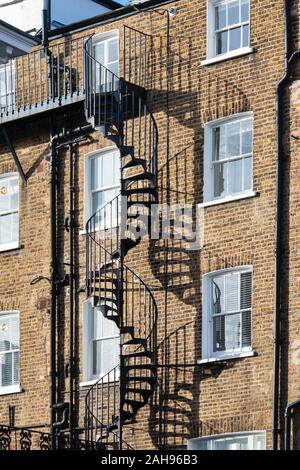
(246,303)
(9,350)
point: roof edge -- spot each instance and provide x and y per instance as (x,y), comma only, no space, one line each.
(25,36)
(109,4)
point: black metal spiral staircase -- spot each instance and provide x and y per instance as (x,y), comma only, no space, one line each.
(119,110)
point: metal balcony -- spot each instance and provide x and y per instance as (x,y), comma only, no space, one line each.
(42,80)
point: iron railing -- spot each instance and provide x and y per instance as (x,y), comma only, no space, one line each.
(137,56)
(25,439)
(42,79)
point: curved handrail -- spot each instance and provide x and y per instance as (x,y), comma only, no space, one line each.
(104,380)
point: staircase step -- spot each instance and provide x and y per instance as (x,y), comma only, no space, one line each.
(146,393)
(128,245)
(136,405)
(139,367)
(143,176)
(105,309)
(139,354)
(127,330)
(149,380)
(132,192)
(104,300)
(126,150)
(135,162)
(115,138)
(147,204)
(141,341)
(127,417)
(106,266)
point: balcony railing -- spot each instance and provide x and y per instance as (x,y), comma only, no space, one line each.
(41,80)
(30,439)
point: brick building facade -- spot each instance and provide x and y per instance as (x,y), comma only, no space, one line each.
(215,374)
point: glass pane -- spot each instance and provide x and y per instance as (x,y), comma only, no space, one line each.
(96,173)
(233,332)
(233,139)
(113,50)
(234,39)
(6,370)
(246,136)
(233,13)
(219,179)
(4,195)
(247,174)
(259,442)
(218,294)
(245,10)
(6,229)
(221,45)
(246,39)
(220,17)
(219,143)
(238,443)
(97,201)
(97,353)
(9,332)
(235,176)
(114,68)
(14,193)
(219,334)
(232,292)
(15,228)
(108,170)
(110,354)
(103,327)
(105,356)
(99,52)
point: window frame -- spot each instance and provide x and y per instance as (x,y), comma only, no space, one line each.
(88,199)
(211,53)
(9,97)
(209,163)
(7,390)
(88,339)
(210,440)
(207,319)
(105,38)
(13,245)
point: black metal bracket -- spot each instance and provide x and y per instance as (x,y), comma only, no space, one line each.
(14,154)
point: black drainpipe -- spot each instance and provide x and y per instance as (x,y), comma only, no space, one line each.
(72,279)
(54,286)
(289,60)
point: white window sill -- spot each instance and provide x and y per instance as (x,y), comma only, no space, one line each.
(93,382)
(227,357)
(88,383)
(10,390)
(224,200)
(9,247)
(228,56)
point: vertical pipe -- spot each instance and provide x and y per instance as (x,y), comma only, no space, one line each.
(45,23)
(54,276)
(277,314)
(71,254)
